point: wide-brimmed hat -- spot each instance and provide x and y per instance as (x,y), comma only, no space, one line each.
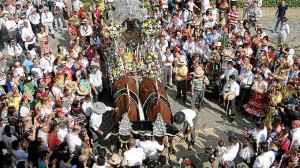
(181,61)
(82,91)
(115,159)
(229,96)
(93,68)
(265,42)
(72,85)
(198,73)
(179,117)
(99,107)
(219,44)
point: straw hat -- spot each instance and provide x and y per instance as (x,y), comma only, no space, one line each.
(219,44)
(198,73)
(181,61)
(99,108)
(115,159)
(229,96)
(82,91)
(71,85)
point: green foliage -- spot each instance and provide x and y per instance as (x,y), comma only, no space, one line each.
(87,4)
(274,3)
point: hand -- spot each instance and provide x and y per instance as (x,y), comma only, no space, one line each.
(100,132)
(192,93)
(116,109)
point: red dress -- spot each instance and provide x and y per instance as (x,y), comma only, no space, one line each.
(257,105)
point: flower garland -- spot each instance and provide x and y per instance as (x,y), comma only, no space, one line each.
(150,27)
(151,65)
(115,69)
(112,30)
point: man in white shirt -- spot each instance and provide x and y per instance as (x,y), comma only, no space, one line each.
(231,150)
(47,21)
(96,81)
(21,22)
(161,46)
(34,19)
(87,106)
(134,156)
(74,141)
(57,12)
(260,133)
(230,70)
(246,79)
(63,131)
(27,33)
(150,147)
(85,29)
(11,27)
(167,60)
(231,89)
(188,118)
(47,61)
(189,46)
(99,109)
(266,71)
(43,133)
(266,158)
(284,31)
(14,49)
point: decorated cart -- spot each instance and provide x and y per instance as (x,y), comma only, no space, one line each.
(134,72)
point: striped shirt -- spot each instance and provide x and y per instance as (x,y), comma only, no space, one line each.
(233,17)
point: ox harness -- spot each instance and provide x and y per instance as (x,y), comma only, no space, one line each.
(153,96)
(124,91)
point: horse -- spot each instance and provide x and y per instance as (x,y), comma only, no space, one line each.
(125,97)
(155,100)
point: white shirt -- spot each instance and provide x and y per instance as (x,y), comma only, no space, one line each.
(247,153)
(285,29)
(150,148)
(266,74)
(228,72)
(96,79)
(248,78)
(168,59)
(21,24)
(96,119)
(230,153)
(85,30)
(134,157)
(12,49)
(295,135)
(44,136)
(189,47)
(7,142)
(87,108)
(24,111)
(47,18)
(61,134)
(34,18)
(74,142)
(189,116)
(11,25)
(264,160)
(27,32)
(260,136)
(47,63)
(231,87)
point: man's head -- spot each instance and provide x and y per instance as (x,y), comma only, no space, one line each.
(77,129)
(131,143)
(231,78)
(229,65)
(55,128)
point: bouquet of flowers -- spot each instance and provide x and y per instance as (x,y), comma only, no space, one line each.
(115,68)
(152,67)
(150,27)
(112,30)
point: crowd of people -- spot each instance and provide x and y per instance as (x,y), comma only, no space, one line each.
(50,109)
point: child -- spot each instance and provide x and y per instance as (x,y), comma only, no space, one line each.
(220,148)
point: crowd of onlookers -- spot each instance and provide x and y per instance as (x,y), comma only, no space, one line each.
(50,109)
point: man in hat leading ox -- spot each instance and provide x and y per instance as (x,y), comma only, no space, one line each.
(99,109)
(230,91)
(188,118)
(198,87)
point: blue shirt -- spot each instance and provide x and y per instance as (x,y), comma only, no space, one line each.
(281,10)
(27,64)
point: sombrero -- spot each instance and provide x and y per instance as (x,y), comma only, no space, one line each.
(71,85)
(179,117)
(82,91)
(181,61)
(229,96)
(115,159)
(99,108)
(198,73)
